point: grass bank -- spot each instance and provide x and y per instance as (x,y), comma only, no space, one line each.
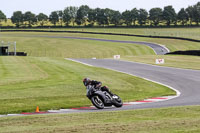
(54,83)
(165,120)
(62,47)
(178,61)
(41,45)
(189,32)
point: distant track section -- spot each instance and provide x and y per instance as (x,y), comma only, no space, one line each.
(158,49)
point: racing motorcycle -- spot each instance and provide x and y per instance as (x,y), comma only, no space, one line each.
(101,99)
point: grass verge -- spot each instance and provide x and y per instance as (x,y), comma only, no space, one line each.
(166,120)
(178,61)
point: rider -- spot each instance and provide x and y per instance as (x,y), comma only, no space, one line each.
(96,84)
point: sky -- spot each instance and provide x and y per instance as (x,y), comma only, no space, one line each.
(47,6)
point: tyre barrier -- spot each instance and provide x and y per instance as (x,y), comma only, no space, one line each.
(188,52)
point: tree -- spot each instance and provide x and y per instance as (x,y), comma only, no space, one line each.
(142,16)
(82,15)
(127,17)
(155,15)
(54,18)
(182,16)
(60,15)
(169,15)
(66,16)
(92,16)
(108,13)
(196,13)
(134,15)
(72,13)
(190,12)
(30,18)
(17,18)
(115,17)
(102,19)
(2,16)
(42,18)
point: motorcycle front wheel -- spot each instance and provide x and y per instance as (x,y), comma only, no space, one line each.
(97,102)
(117,102)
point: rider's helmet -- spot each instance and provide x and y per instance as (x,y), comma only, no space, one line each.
(86,81)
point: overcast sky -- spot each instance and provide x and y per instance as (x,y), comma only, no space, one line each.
(47,6)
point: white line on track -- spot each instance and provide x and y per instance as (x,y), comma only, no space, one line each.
(78,62)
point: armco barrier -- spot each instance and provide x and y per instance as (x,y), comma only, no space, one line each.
(102,33)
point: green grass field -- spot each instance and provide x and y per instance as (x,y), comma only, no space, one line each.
(47,80)
(46,70)
(166,120)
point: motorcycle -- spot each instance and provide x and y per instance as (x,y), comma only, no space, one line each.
(101,99)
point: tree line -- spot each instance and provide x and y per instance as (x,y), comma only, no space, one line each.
(84,15)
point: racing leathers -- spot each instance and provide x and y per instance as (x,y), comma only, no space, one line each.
(97,85)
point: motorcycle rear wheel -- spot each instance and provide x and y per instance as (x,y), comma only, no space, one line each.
(97,102)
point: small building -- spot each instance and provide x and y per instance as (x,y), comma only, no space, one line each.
(4,50)
(7,48)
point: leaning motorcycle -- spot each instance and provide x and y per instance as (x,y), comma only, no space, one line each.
(101,99)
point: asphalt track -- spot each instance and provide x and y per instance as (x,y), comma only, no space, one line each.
(158,49)
(186,81)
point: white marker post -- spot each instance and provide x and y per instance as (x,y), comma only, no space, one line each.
(160,61)
(15,53)
(116,56)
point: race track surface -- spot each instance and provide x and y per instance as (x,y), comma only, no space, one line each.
(158,49)
(187,82)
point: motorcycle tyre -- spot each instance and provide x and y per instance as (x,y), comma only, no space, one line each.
(95,104)
(117,102)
